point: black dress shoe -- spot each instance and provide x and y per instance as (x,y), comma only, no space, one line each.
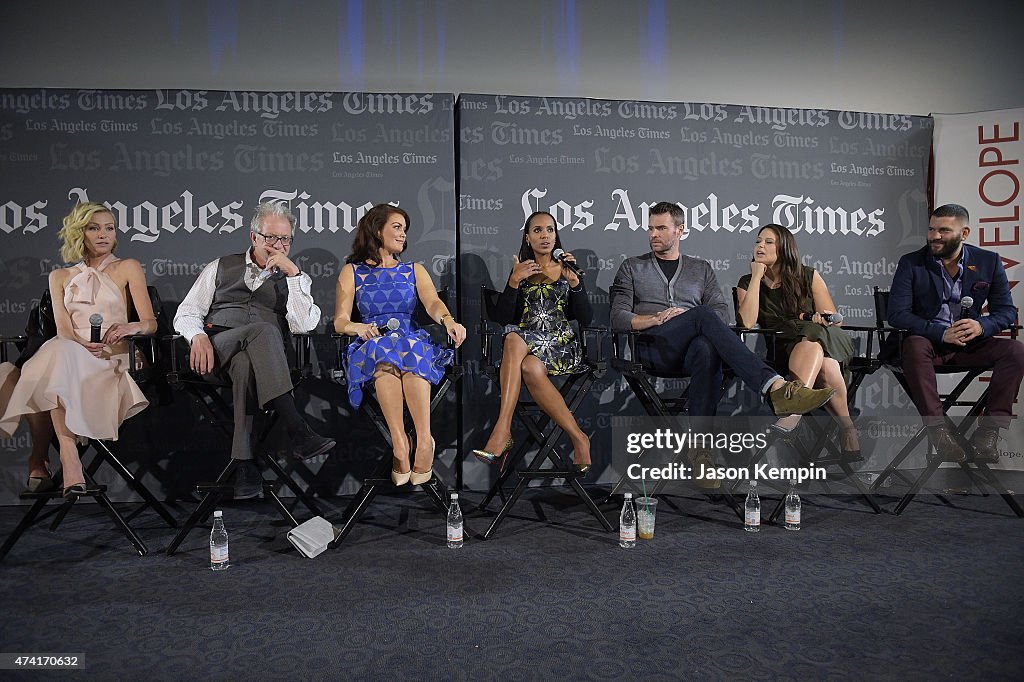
(985,442)
(248,481)
(946,447)
(311,445)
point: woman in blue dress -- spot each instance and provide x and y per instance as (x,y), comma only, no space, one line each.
(540,342)
(391,351)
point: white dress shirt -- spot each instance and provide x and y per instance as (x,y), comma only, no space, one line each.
(302,313)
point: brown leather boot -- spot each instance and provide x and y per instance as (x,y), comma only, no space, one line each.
(985,441)
(946,447)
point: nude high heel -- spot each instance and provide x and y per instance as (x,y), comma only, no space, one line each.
(418,478)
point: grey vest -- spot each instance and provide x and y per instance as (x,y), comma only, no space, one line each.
(234,305)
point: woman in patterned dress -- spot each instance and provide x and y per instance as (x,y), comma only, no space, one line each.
(540,342)
(391,351)
(83,386)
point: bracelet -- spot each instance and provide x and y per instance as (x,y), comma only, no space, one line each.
(441,321)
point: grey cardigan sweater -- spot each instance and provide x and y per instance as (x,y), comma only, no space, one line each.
(641,288)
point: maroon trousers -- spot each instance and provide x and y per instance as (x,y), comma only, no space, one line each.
(1005,357)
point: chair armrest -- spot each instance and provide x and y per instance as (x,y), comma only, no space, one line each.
(871,332)
(770,338)
(174,372)
(302,343)
(597,334)
(341,342)
(488,330)
(134,368)
(6,341)
(624,351)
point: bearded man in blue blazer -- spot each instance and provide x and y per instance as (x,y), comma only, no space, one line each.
(928,289)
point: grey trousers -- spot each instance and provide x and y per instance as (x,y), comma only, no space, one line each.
(254,357)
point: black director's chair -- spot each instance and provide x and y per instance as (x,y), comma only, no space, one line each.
(644,381)
(208,391)
(435,488)
(819,450)
(542,431)
(41,328)
(977,471)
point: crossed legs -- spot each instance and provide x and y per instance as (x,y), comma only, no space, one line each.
(807,362)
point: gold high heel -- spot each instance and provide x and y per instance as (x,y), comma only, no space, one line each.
(491,457)
(418,478)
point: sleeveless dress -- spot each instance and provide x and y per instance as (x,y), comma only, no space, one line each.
(388,296)
(835,341)
(546,329)
(97,394)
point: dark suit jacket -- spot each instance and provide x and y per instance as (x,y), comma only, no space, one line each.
(916,294)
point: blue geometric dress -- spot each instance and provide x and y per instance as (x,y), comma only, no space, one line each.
(383,296)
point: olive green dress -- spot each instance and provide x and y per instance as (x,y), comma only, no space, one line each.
(834,340)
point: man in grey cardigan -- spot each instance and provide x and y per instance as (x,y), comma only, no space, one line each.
(236,317)
(675,301)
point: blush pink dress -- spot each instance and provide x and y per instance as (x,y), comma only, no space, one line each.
(97,393)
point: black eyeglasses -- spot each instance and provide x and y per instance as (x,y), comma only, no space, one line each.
(274,239)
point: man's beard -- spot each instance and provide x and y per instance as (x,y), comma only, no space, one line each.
(948,248)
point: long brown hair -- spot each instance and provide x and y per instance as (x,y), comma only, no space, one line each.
(790,270)
(367,244)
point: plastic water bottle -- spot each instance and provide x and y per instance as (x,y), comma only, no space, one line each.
(218,543)
(454,523)
(752,510)
(627,523)
(792,508)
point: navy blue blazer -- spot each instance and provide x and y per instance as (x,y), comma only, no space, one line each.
(916,294)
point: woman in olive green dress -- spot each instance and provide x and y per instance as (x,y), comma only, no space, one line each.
(777,293)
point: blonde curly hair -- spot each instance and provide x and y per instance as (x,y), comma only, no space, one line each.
(73,232)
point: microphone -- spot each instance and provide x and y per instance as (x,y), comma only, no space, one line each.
(559,255)
(393,325)
(827,318)
(95,320)
(966,303)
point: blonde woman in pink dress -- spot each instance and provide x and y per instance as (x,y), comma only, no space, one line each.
(85,387)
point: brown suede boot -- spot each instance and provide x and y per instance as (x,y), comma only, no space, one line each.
(794,398)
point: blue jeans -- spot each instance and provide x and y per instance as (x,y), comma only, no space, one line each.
(696,344)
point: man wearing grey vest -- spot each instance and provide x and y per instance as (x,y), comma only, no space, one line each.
(236,317)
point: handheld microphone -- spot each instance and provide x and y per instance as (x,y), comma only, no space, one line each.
(827,318)
(559,255)
(966,303)
(393,325)
(95,320)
